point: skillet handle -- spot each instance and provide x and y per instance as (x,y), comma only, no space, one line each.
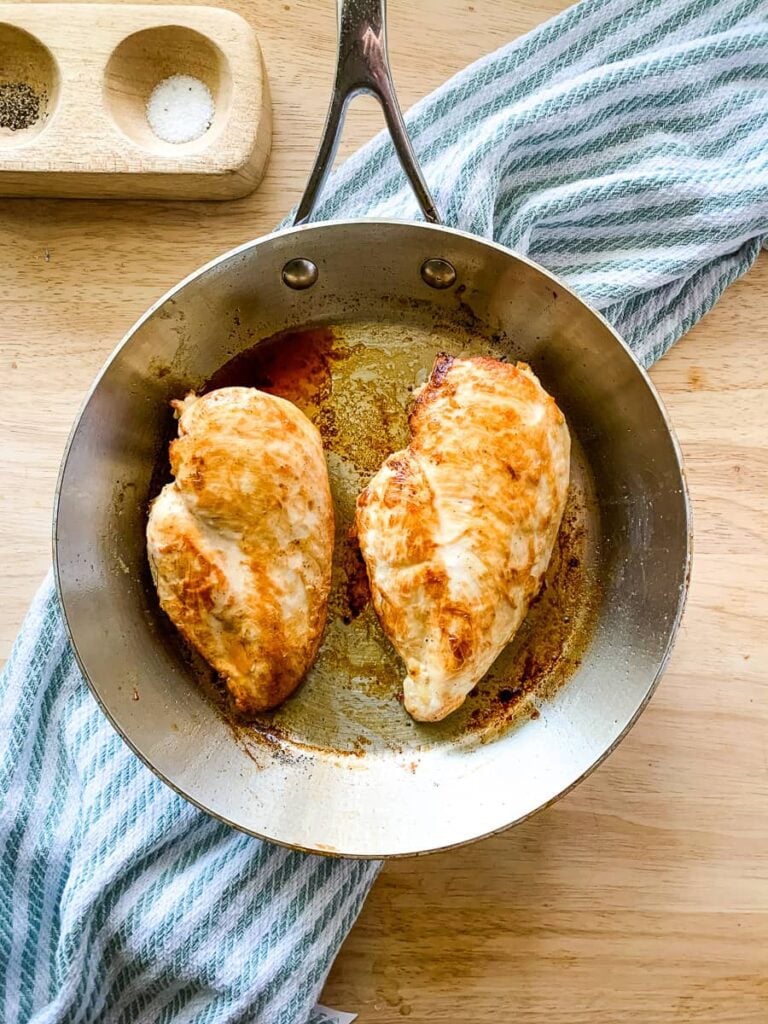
(363,67)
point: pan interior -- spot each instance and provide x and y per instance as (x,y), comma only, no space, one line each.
(340,767)
(355,382)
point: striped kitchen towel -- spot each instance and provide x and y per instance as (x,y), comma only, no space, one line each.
(624,145)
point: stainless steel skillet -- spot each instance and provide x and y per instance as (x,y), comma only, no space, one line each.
(345,318)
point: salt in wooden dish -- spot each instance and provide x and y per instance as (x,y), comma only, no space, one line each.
(92,68)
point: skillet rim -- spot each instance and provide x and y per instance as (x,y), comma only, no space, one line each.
(361,223)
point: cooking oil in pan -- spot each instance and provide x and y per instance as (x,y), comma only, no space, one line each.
(355,383)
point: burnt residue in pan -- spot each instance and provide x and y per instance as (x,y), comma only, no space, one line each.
(550,644)
(352,597)
(356,383)
(295,365)
(161,474)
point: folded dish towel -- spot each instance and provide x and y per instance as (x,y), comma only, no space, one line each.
(624,145)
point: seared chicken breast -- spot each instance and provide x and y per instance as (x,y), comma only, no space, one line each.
(240,543)
(457,530)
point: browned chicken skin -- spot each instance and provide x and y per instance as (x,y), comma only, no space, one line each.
(240,543)
(457,530)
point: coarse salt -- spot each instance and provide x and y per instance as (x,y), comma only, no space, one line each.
(180,109)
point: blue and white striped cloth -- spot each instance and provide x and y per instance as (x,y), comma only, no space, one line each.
(624,145)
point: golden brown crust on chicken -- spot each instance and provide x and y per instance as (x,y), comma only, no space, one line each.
(457,530)
(240,544)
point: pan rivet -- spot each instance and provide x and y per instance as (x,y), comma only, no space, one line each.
(299,274)
(438,273)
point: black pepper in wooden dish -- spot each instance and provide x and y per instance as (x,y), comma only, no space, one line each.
(20,105)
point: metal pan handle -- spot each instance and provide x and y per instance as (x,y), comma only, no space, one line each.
(363,67)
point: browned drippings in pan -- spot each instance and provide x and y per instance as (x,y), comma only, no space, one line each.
(355,382)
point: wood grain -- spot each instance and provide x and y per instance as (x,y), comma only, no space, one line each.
(96,66)
(641,898)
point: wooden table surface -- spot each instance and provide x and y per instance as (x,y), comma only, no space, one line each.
(643,896)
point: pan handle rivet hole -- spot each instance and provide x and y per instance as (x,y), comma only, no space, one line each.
(438,273)
(299,274)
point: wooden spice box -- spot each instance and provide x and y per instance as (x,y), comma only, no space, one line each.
(82,75)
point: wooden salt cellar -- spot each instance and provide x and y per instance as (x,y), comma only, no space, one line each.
(94,67)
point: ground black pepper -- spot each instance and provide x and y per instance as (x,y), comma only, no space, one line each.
(19,105)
